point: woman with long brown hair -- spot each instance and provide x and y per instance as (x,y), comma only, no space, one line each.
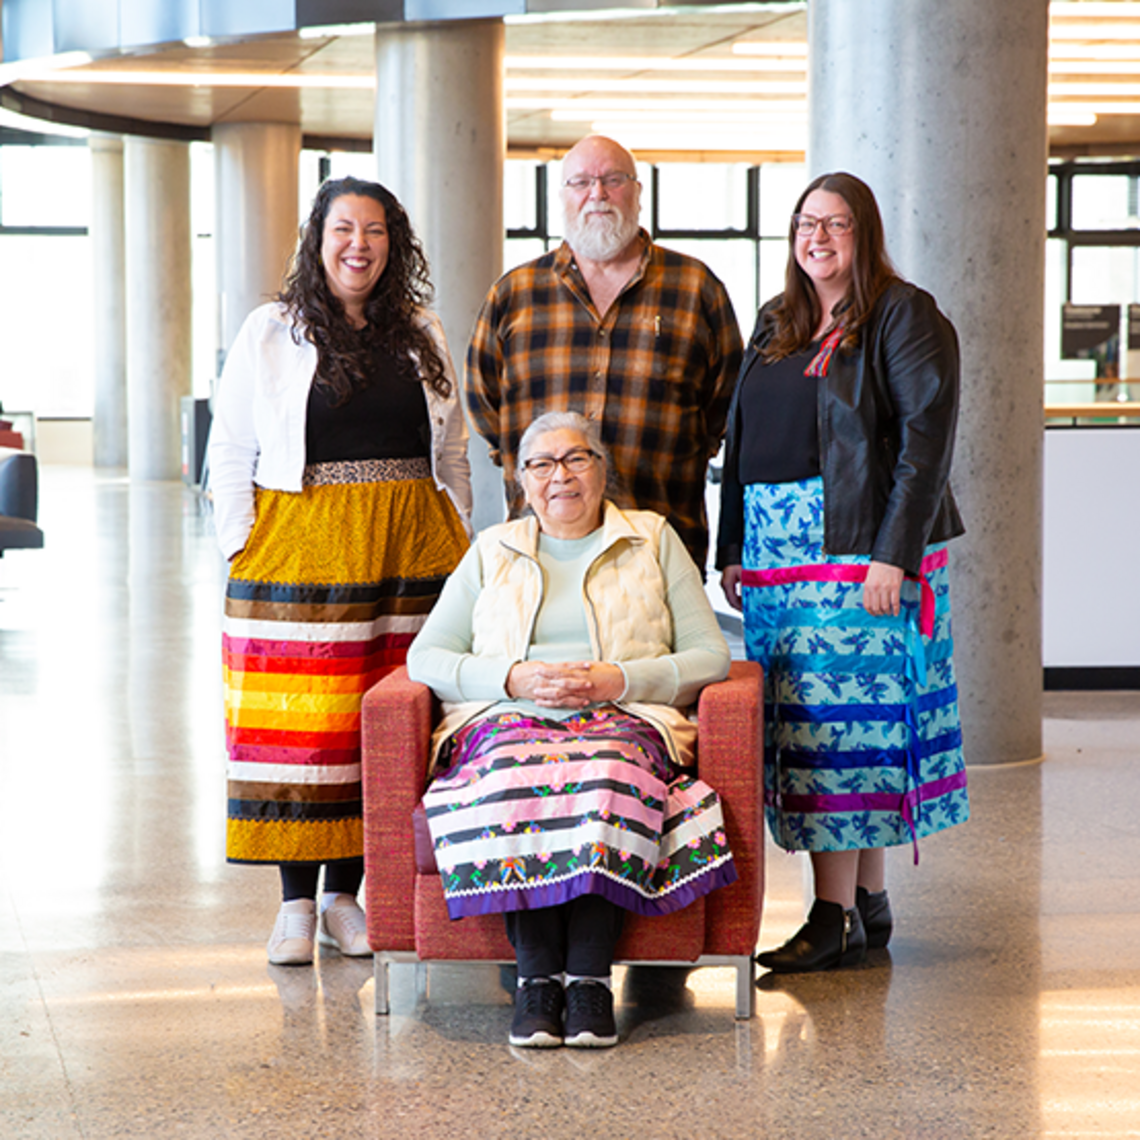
(834,514)
(339,477)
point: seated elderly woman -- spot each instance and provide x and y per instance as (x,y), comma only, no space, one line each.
(566,648)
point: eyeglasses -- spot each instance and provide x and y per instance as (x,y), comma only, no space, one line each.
(837,225)
(575,462)
(615,180)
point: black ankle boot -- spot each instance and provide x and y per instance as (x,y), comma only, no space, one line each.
(831,937)
(875,911)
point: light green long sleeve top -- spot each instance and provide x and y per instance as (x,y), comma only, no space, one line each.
(441,654)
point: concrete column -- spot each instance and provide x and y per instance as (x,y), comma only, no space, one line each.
(109,263)
(255,228)
(941,108)
(157,180)
(439,139)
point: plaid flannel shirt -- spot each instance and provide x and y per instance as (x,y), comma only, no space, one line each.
(657,372)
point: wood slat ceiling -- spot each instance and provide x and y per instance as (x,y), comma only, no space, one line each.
(693,37)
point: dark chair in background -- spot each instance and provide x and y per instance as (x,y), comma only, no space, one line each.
(19,502)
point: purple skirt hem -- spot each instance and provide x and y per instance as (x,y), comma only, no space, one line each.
(555,894)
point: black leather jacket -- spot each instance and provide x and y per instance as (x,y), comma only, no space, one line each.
(887,412)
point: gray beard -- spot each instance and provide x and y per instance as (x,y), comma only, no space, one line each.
(600,238)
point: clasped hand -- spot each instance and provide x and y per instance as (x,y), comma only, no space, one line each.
(565,685)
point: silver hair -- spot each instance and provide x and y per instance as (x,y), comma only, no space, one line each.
(563,421)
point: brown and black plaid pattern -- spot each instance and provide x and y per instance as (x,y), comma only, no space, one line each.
(657,372)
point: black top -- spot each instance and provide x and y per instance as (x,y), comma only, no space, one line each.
(887,412)
(388,419)
(779,423)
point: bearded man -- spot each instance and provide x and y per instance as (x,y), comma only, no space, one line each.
(612,325)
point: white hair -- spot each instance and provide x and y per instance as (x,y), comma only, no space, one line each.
(563,421)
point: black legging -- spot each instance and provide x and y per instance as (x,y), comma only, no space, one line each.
(577,937)
(342,876)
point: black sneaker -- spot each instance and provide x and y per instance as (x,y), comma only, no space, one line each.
(537,1022)
(590,1016)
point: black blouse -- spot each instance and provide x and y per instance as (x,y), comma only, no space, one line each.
(779,425)
(387,419)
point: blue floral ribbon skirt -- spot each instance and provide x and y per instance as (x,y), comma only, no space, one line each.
(863,743)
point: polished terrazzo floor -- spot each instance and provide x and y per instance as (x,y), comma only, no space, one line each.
(135,999)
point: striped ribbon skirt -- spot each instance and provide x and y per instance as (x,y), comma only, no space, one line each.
(863,741)
(328,593)
(533,812)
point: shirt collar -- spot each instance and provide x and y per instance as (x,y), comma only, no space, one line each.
(522,535)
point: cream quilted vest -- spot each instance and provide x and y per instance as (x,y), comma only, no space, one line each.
(624,590)
(626,611)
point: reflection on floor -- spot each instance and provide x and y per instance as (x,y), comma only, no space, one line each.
(135,999)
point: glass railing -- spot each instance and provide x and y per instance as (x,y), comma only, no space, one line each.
(1092,402)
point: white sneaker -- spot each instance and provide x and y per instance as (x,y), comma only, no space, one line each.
(291,943)
(344,926)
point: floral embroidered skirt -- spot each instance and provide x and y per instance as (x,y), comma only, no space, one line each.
(863,742)
(533,812)
(325,599)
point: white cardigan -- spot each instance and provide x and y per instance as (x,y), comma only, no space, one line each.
(258,431)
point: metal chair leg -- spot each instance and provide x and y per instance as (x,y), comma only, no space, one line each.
(380,972)
(745,988)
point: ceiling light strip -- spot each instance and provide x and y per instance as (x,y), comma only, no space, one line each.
(1071,117)
(1091,9)
(792,49)
(1088,51)
(661,86)
(1118,107)
(108,76)
(644,115)
(647,63)
(1066,90)
(1129,66)
(335,31)
(598,106)
(641,139)
(1094,32)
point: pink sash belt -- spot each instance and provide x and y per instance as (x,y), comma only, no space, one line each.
(849,572)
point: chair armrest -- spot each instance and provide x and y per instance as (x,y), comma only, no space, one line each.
(730,757)
(397,715)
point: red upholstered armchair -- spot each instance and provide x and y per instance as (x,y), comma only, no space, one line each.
(407,917)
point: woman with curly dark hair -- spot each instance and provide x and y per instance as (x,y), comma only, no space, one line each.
(341,490)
